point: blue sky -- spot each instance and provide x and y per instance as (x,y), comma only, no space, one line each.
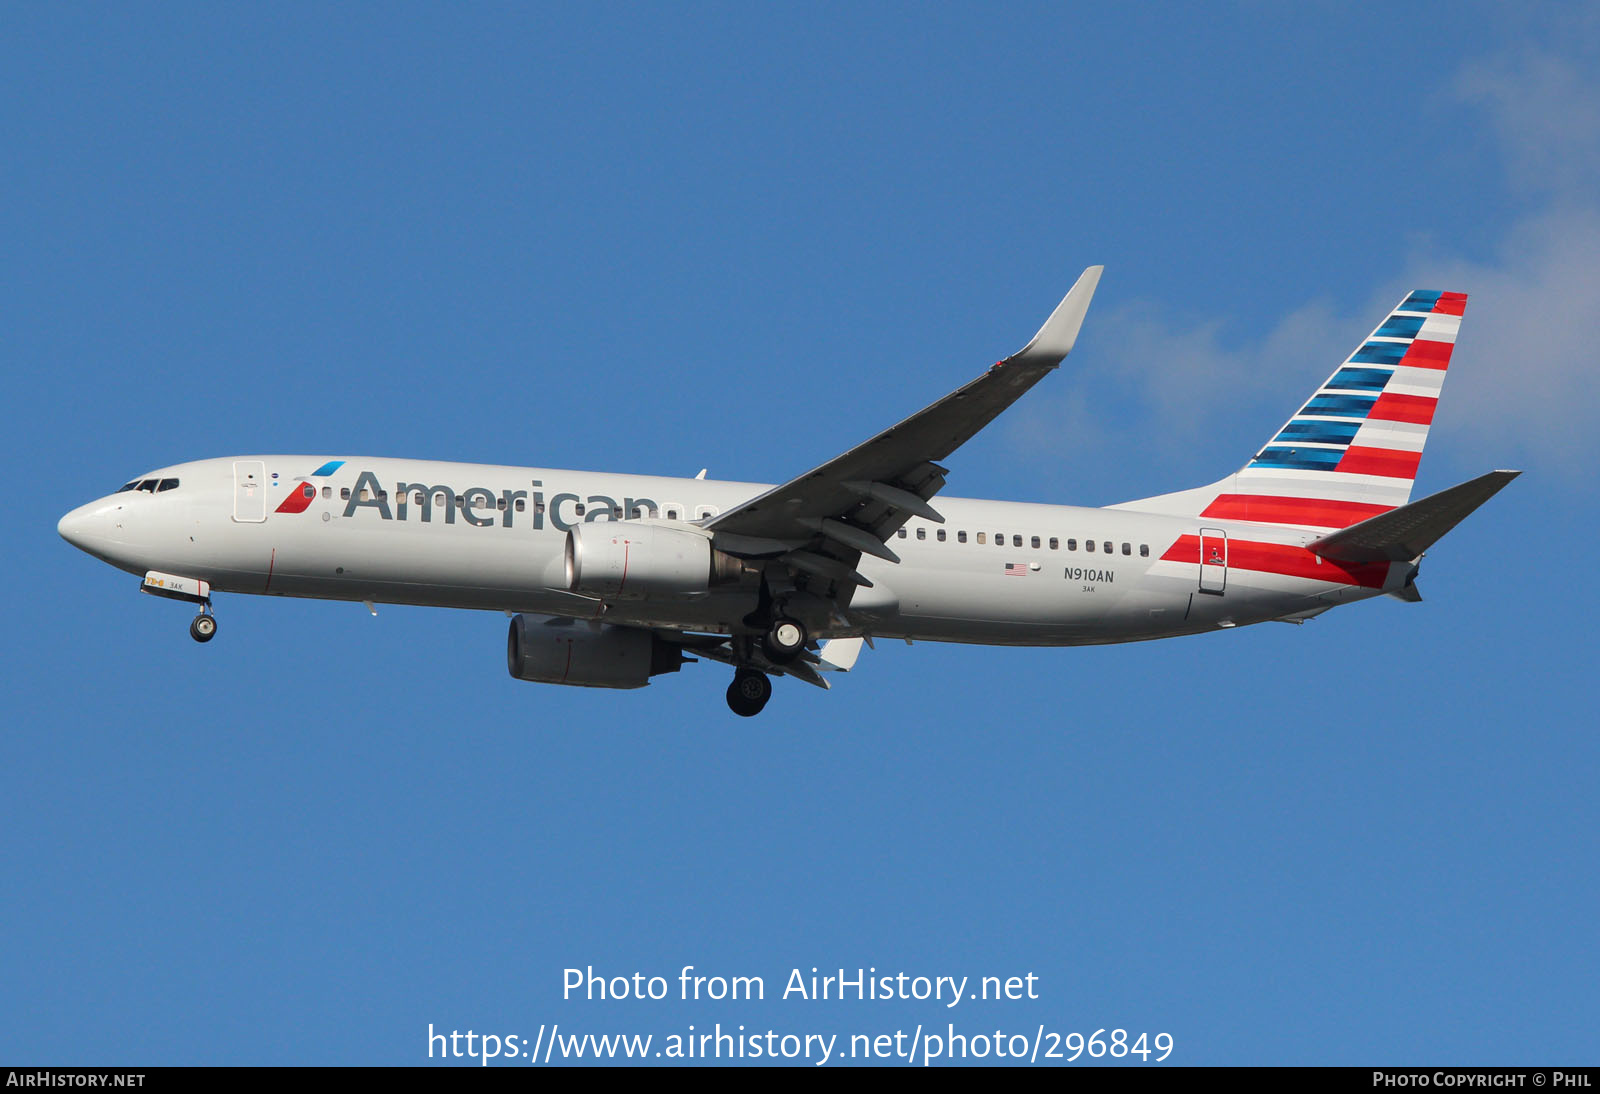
(655,239)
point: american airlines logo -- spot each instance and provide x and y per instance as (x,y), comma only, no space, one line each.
(481,507)
(299,499)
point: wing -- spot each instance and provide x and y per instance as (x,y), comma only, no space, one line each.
(820,523)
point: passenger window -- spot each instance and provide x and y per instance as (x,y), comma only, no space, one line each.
(1072,545)
(344,493)
(961,537)
(981,538)
(1127,548)
(418,500)
(167,484)
(1016,541)
(1107,546)
(308,490)
(500,504)
(327,493)
(672,514)
(1055,544)
(383,495)
(636,513)
(1088,545)
(1144,550)
(922,533)
(457,500)
(578,509)
(940,534)
(999,539)
(1036,542)
(616,511)
(902,533)
(522,505)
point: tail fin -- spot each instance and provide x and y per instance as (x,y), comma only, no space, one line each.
(1352,451)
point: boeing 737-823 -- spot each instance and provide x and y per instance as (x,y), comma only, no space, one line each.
(611,579)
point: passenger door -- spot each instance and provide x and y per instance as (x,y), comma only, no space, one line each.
(1213,561)
(249,491)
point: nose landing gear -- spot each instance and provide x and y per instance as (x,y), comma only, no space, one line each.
(204,626)
(749,692)
(190,590)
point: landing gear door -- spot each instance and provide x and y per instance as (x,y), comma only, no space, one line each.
(1213,561)
(249,491)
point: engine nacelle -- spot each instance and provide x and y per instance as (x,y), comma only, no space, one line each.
(627,560)
(564,651)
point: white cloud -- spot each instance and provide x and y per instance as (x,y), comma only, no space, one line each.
(1529,346)
(1525,384)
(1209,402)
(1525,371)
(1546,116)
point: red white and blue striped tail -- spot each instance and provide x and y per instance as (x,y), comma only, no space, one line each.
(1352,451)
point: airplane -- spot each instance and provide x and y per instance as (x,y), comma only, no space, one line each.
(612,579)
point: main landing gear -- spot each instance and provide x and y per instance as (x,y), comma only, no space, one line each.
(784,639)
(782,642)
(749,692)
(204,626)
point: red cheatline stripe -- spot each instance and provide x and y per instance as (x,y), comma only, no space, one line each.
(1267,509)
(1392,463)
(1451,303)
(1427,354)
(1284,559)
(1417,409)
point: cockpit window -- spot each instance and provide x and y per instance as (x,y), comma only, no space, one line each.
(149,486)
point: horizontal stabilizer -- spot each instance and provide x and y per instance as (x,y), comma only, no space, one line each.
(1404,533)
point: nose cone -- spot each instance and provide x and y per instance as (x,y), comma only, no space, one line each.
(98,529)
(104,529)
(78,527)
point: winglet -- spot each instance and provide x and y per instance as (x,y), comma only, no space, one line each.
(1056,338)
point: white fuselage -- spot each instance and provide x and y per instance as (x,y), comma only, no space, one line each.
(1006,573)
